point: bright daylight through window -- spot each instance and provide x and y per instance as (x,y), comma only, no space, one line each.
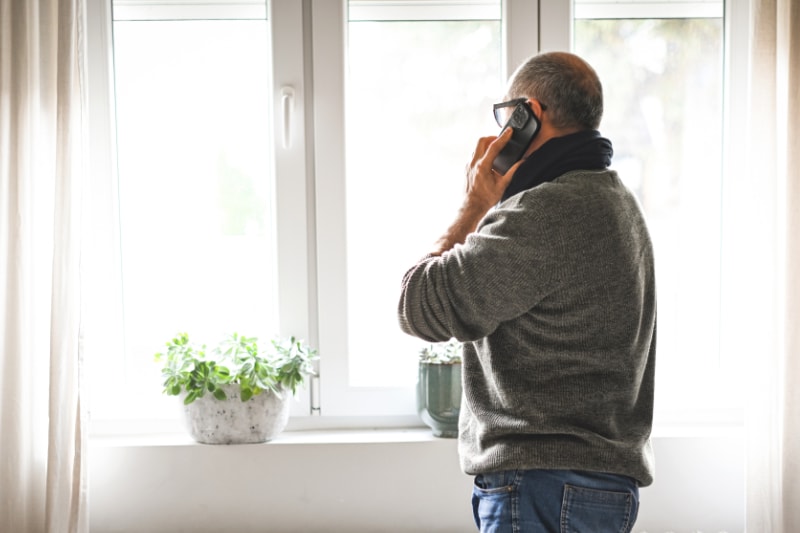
(194,185)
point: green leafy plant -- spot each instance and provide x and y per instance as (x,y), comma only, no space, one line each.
(192,368)
(442,353)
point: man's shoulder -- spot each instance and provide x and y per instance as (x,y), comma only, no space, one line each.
(587,178)
(570,186)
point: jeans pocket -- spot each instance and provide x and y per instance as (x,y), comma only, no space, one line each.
(492,500)
(496,482)
(597,511)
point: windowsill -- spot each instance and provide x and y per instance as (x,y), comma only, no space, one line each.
(306,437)
(379,435)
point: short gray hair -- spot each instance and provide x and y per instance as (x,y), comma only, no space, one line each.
(566,84)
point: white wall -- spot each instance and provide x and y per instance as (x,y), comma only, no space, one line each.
(358,481)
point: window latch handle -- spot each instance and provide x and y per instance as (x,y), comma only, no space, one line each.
(287,102)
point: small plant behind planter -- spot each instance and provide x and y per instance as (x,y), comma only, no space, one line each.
(442,353)
(439,387)
(236,369)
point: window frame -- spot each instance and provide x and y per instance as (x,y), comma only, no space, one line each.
(339,399)
(290,178)
(309,175)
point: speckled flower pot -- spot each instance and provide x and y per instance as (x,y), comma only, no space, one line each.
(439,397)
(232,421)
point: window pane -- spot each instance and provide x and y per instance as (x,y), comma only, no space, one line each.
(194,183)
(663,80)
(419,95)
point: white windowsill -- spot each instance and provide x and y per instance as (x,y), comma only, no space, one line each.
(378,436)
(308,437)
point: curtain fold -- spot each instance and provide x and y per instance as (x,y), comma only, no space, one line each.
(773,421)
(42,144)
(790,56)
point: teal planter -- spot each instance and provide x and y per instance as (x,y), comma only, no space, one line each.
(439,397)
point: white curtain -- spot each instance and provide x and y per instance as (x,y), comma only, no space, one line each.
(42,144)
(789,54)
(773,473)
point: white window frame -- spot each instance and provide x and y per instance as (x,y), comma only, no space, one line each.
(189,9)
(293,202)
(338,399)
(736,196)
(310,168)
(330,18)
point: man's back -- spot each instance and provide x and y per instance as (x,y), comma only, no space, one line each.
(557,289)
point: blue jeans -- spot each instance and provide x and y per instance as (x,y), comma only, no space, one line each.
(554,501)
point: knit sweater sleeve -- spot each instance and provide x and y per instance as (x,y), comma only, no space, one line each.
(469,290)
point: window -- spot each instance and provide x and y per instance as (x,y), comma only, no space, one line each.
(198,204)
(196,216)
(410,121)
(281,163)
(419,85)
(662,66)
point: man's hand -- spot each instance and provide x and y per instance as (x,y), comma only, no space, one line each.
(485,188)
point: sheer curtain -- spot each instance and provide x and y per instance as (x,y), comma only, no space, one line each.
(773,476)
(42,423)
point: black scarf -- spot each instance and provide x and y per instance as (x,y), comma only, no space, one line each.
(584,150)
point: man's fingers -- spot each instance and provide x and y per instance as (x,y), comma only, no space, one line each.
(499,143)
(506,179)
(491,150)
(481,147)
(483,158)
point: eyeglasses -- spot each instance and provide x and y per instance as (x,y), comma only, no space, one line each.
(503,110)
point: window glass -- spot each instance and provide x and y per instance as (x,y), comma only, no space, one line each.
(192,102)
(663,87)
(419,95)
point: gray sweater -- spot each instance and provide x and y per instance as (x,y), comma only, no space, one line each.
(554,296)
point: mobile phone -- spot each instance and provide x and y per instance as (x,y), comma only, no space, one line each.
(525,126)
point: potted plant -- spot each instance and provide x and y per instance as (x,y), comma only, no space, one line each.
(237,392)
(439,387)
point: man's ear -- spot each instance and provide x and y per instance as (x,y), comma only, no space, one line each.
(536,106)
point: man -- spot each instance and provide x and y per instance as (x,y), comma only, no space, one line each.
(547,277)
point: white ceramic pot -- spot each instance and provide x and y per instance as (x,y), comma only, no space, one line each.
(232,421)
